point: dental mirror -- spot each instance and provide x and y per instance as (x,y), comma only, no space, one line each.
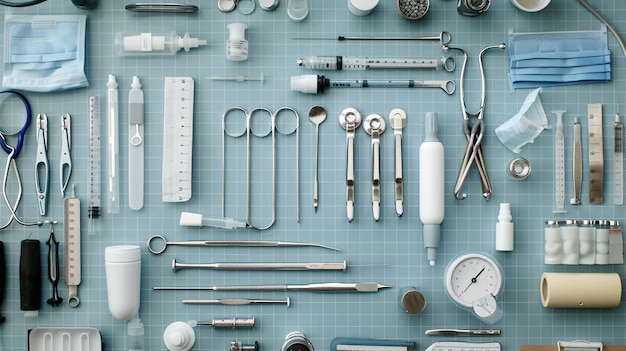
(317,115)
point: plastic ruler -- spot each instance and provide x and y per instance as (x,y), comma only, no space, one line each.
(177,139)
(596,154)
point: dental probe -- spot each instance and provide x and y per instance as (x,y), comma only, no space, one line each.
(237,302)
(320,287)
(156,249)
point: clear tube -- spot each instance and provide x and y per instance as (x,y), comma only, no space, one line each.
(362,63)
(143,44)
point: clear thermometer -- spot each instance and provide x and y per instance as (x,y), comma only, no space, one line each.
(361,63)
(559,164)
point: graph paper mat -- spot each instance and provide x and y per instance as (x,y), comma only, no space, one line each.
(468,225)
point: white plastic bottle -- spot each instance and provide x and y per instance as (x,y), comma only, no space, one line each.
(505,236)
(122,264)
(431,185)
(237,45)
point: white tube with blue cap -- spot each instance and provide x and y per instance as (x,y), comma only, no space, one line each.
(431,183)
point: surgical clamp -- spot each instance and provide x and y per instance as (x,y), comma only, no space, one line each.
(65,166)
(474,134)
(350,119)
(42,168)
(249,130)
(374,125)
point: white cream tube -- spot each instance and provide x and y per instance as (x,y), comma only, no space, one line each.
(431,184)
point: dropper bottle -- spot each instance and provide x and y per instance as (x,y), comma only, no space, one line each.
(143,44)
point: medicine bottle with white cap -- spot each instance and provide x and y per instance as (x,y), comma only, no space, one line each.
(237,45)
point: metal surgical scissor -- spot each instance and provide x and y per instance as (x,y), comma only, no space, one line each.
(13,152)
(42,168)
(248,132)
(474,134)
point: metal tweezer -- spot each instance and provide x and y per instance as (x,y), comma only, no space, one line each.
(462,332)
(161,7)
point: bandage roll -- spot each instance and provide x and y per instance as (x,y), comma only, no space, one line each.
(581,290)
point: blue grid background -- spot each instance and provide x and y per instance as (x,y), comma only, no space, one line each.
(469,225)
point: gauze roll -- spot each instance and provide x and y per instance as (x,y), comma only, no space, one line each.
(581,290)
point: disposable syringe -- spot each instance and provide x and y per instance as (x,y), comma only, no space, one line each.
(361,63)
(559,164)
(618,160)
(313,84)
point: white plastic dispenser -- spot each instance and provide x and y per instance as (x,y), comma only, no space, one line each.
(140,44)
(122,264)
(237,45)
(504,229)
(431,180)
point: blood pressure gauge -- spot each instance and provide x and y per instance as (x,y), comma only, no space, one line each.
(473,281)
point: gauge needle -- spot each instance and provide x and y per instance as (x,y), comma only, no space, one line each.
(474,279)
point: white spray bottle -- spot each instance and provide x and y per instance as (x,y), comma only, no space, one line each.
(431,184)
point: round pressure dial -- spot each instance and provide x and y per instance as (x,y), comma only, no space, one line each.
(473,280)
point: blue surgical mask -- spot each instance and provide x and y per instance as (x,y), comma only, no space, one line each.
(44,53)
(559,58)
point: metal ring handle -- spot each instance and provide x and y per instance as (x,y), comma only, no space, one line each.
(449,87)
(226,113)
(270,115)
(445,38)
(296,117)
(152,241)
(448,63)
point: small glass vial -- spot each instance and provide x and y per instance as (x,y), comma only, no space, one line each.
(570,238)
(553,246)
(237,45)
(602,242)
(587,242)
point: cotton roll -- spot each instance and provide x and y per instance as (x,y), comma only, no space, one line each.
(581,290)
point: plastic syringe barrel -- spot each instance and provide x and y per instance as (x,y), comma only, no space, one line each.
(30,276)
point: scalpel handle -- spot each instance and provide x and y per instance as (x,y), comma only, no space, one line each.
(398,178)
(350,177)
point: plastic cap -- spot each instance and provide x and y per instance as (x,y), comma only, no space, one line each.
(112,83)
(362,7)
(298,10)
(136,84)
(237,30)
(432,234)
(189,219)
(179,336)
(505,212)
(431,127)
(122,253)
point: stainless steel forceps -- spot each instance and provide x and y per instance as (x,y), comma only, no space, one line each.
(65,166)
(42,168)
(249,131)
(474,134)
